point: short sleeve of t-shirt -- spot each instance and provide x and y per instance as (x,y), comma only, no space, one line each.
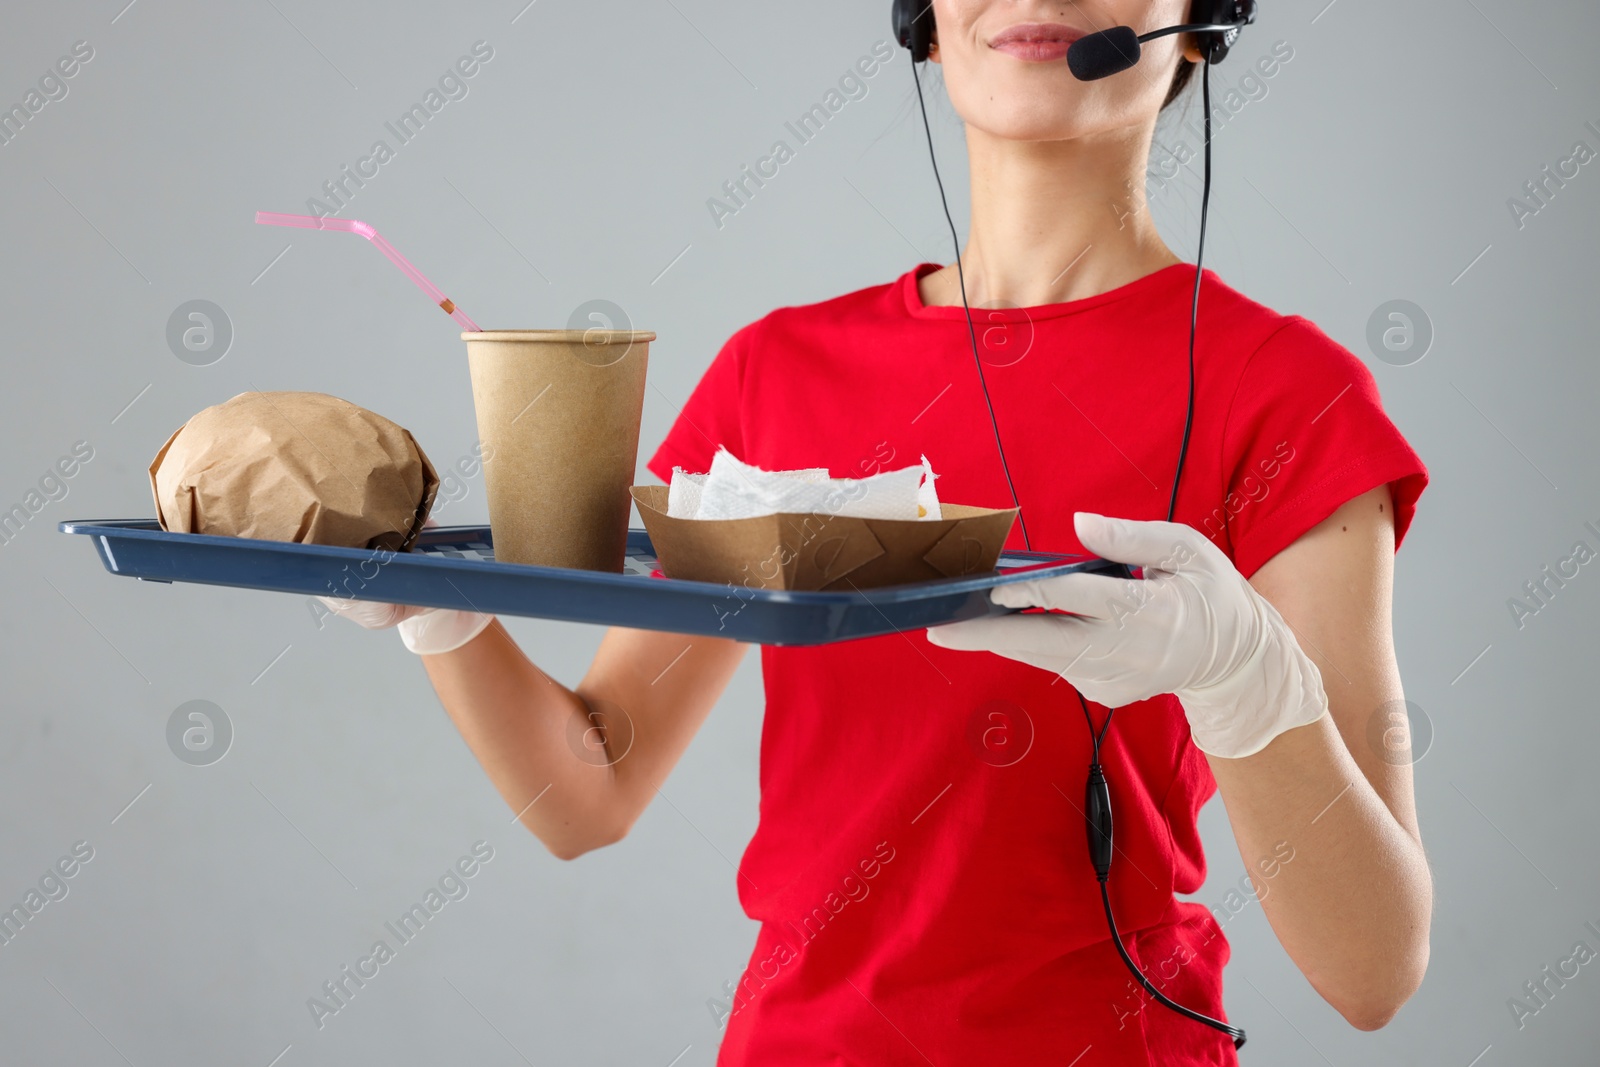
(1306,433)
(712,415)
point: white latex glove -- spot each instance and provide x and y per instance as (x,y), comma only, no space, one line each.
(1192,627)
(425,631)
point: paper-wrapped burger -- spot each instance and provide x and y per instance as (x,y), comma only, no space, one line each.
(303,467)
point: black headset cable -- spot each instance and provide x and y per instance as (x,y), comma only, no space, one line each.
(1097,792)
(972,332)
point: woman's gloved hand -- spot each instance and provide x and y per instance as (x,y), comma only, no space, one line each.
(425,631)
(1193,626)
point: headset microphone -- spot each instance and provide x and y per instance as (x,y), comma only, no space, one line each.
(1100,55)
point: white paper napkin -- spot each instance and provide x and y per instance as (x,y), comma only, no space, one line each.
(683,492)
(736,490)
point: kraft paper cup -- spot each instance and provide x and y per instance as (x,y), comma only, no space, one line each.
(558,418)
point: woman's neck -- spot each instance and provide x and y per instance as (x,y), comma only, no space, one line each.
(1053,221)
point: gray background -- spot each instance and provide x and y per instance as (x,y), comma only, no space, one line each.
(578,167)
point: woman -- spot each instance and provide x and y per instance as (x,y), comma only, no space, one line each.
(921,868)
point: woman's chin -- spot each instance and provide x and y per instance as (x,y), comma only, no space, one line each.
(1043,124)
(1032,113)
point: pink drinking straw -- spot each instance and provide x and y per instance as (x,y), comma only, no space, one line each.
(311,222)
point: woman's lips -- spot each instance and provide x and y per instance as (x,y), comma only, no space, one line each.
(1036,42)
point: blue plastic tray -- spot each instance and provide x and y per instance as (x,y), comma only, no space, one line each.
(454,567)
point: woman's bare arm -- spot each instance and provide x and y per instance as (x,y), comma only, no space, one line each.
(580,765)
(1352,908)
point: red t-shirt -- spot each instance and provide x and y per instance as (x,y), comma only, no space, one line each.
(921,867)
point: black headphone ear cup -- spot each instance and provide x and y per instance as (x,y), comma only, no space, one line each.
(1215,46)
(913,27)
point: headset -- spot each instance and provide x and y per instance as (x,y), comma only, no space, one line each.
(1217,26)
